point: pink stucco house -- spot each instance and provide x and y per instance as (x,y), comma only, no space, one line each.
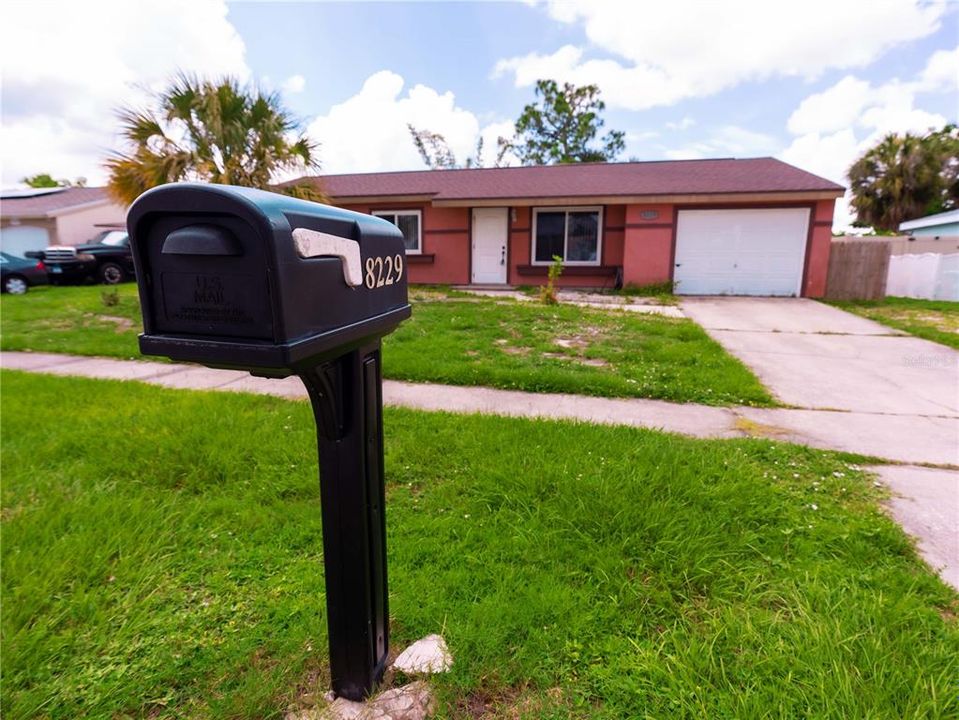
(742,227)
(33,218)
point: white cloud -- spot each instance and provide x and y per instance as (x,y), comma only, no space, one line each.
(728,140)
(830,110)
(368,132)
(632,88)
(68,65)
(668,57)
(941,72)
(684,124)
(837,125)
(294,84)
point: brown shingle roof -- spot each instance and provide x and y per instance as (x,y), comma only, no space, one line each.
(676,177)
(48,204)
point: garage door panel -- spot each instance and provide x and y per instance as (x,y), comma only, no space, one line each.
(741,252)
(17,240)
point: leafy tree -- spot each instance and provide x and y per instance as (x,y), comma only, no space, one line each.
(904,177)
(46,180)
(944,144)
(561,124)
(437,155)
(214,131)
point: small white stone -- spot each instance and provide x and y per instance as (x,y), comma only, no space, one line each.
(429,655)
(410,702)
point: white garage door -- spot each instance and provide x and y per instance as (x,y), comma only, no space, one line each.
(740,252)
(18,239)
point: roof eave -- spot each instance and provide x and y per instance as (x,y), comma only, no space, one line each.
(373,199)
(675,198)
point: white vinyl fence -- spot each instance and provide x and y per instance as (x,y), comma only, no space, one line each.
(930,276)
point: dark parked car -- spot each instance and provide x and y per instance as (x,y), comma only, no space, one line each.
(18,274)
(106,259)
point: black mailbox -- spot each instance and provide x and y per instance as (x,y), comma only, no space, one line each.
(238,278)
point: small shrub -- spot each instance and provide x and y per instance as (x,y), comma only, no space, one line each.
(547,293)
(110,298)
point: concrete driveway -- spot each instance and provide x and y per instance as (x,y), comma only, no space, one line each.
(863,388)
(811,355)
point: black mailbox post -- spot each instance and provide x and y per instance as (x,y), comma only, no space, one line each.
(238,278)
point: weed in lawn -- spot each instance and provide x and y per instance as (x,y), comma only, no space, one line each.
(547,293)
(161,558)
(110,298)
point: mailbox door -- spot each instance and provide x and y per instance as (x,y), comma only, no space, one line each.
(209,276)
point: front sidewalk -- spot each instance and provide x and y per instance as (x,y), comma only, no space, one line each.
(927,504)
(898,438)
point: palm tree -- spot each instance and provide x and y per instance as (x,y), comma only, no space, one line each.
(218,132)
(897,180)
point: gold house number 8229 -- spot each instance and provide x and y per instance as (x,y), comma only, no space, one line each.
(382,271)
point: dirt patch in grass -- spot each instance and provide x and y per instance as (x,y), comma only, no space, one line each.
(56,324)
(572,343)
(511,349)
(946,323)
(514,703)
(589,362)
(122,324)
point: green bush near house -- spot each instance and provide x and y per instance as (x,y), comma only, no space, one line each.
(161,558)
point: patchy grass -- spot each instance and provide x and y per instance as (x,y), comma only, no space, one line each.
(562,348)
(936,320)
(663,293)
(81,320)
(455,338)
(161,559)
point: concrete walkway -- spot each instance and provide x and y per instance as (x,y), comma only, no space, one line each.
(927,502)
(888,436)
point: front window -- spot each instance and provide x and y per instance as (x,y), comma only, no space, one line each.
(408,221)
(572,234)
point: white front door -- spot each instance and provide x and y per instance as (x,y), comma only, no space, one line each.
(741,252)
(490,233)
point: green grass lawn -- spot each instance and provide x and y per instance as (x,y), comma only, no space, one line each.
(936,320)
(161,559)
(456,339)
(75,320)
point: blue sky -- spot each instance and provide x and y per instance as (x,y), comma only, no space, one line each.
(455,47)
(812,83)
